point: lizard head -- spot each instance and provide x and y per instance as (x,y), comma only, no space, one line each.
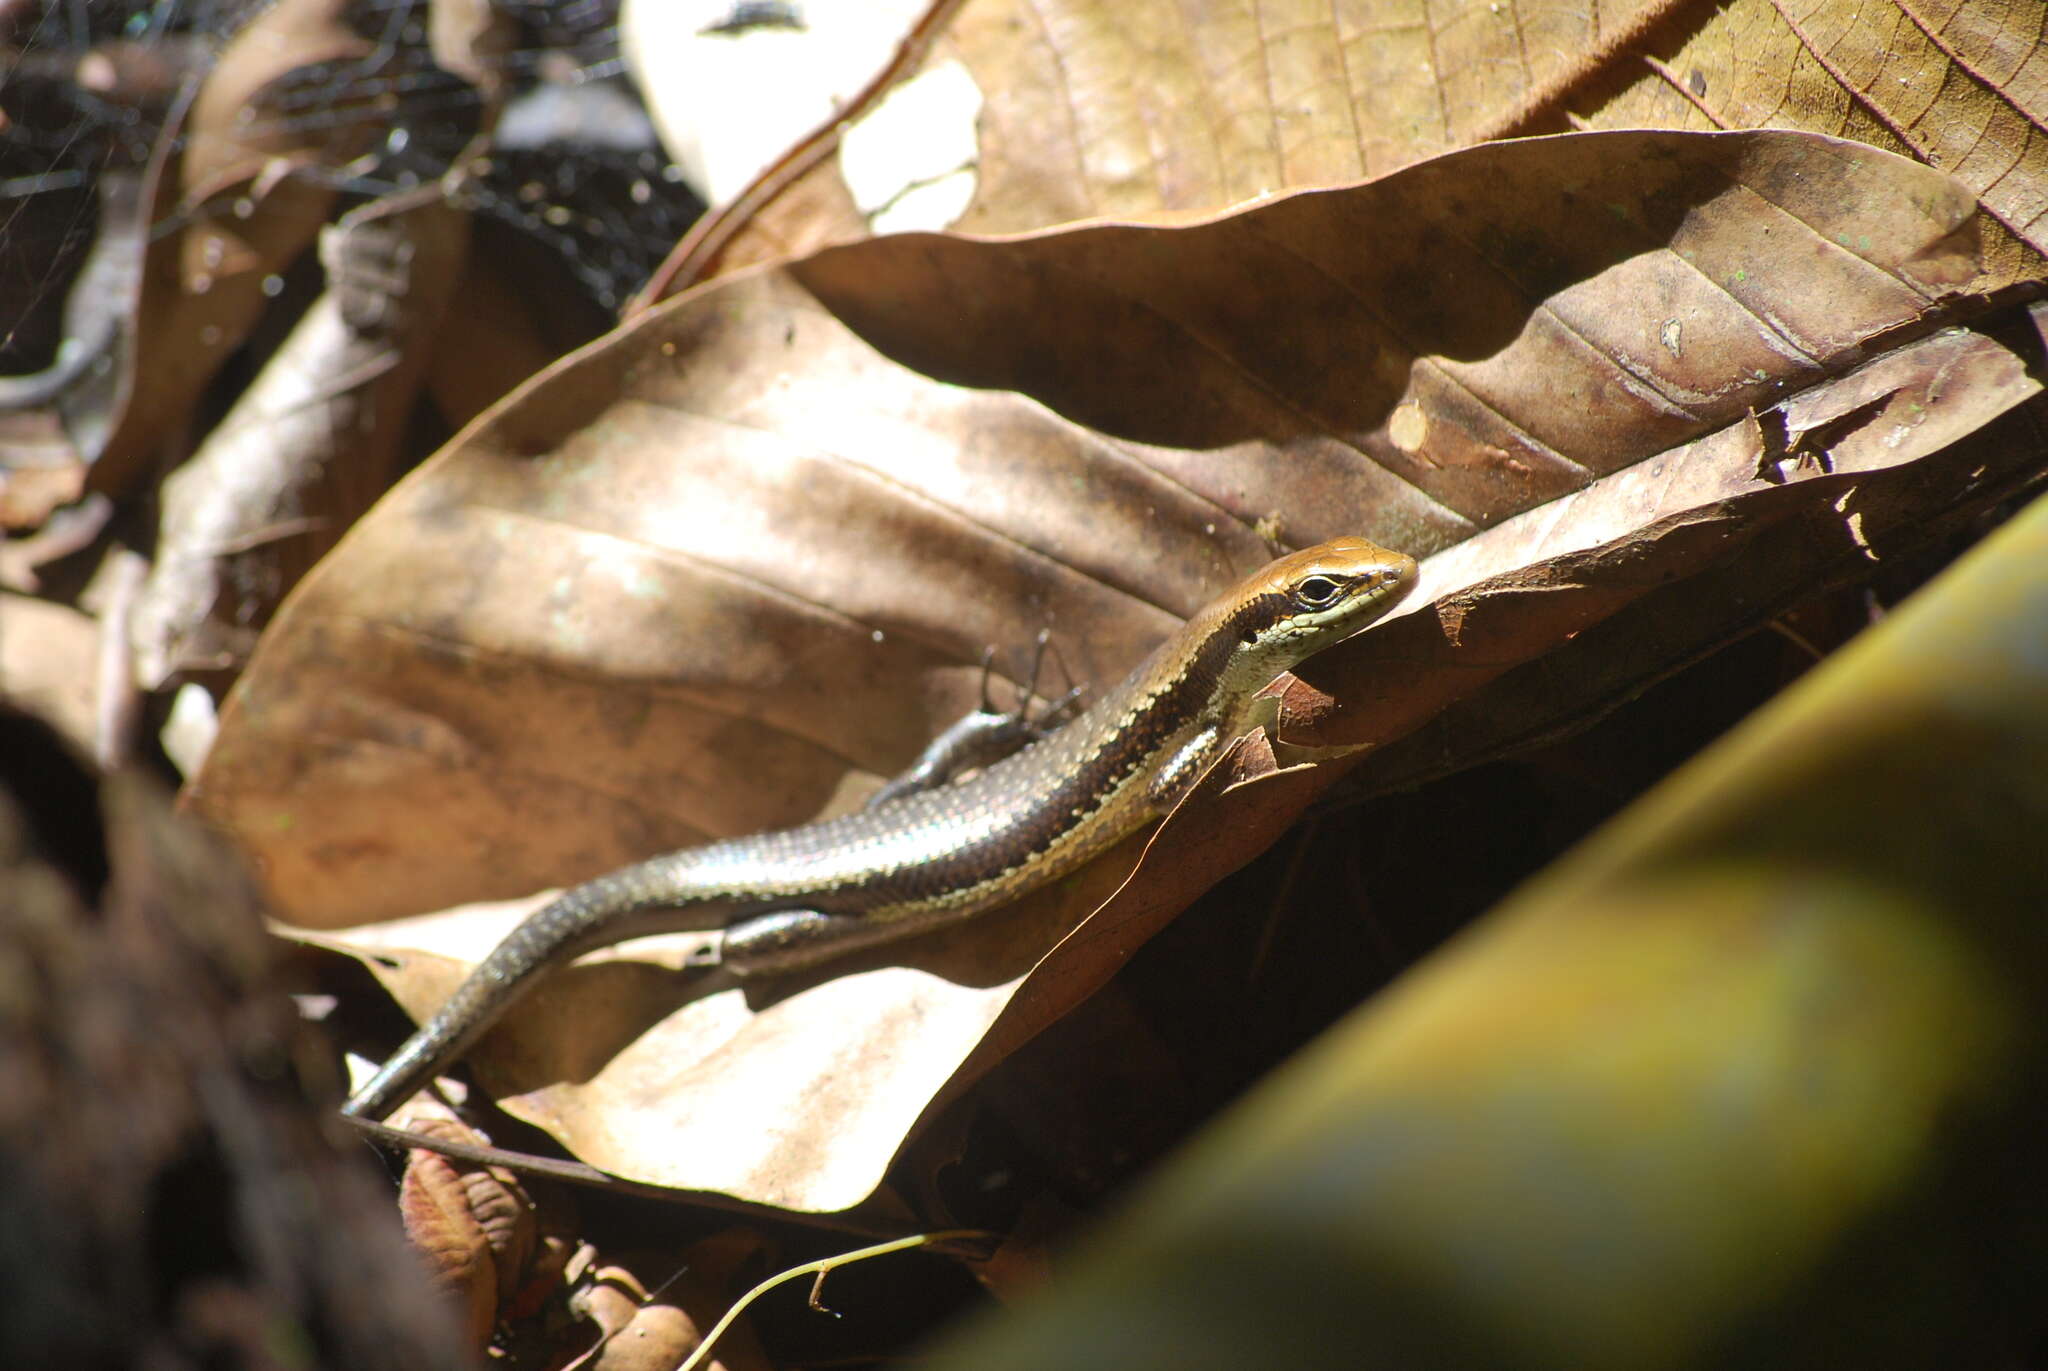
(1306,601)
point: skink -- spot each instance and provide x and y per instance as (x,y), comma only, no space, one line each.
(987,735)
(800,897)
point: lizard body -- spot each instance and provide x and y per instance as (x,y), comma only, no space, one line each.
(798,897)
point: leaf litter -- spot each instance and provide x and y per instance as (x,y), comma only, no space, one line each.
(727,567)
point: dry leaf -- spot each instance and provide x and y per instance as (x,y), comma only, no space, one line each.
(49,661)
(1088,110)
(1868,495)
(1463,341)
(655,1332)
(474,1225)
(435,1206)
(517,316)
(496,1200)
(312,441)
(43,472)
(655,1338)
(240,188)
(1956,85)
(1467,340)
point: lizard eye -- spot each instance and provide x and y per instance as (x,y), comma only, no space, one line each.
(1318,592)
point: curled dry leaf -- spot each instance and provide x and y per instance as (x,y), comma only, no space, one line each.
(1963,87)
(506,1217)
(640,1331)
(308,446)
(475,1226)
(718,571)
(435,1206)
(498,1199)
(636,1335)
(657,1339)
(608,1302)
(1718,568)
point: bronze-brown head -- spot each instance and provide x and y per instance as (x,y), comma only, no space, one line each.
(1303,603)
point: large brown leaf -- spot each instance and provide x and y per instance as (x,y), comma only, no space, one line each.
(718,571)
(1412,359)
(1092,109)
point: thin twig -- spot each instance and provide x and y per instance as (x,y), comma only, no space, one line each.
(582,1173)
